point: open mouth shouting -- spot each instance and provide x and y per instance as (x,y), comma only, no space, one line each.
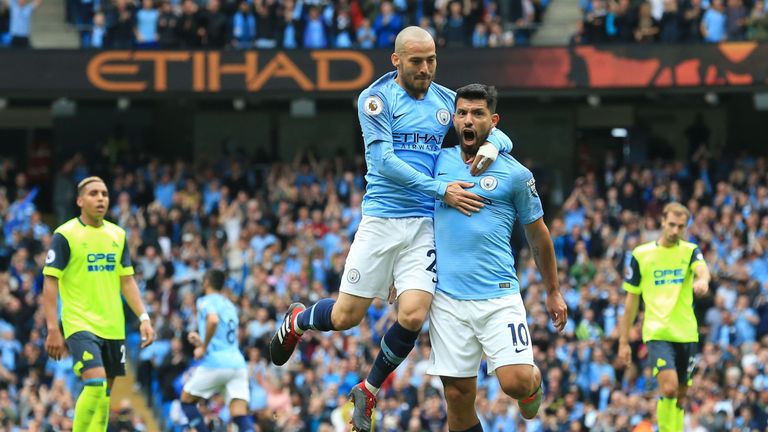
(468,136)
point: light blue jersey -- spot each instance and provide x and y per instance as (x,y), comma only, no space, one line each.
(402,138)
(223,351)
(474,256)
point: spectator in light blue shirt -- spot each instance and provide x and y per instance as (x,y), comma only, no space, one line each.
(291,13)
(366,37)
(344,31)
(96,37)
(480,36)
(745,321)
(211,195)
(21,21)
(387,25)
(713,23)
(314,32)
(10,349)
(244,26)
(146,25)
(164,191)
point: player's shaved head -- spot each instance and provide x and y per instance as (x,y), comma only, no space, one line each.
(411,34)
(415,60)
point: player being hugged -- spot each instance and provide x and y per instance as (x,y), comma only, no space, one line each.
(477,308)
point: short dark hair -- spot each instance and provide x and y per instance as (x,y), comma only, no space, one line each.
(215,278)
(478,91)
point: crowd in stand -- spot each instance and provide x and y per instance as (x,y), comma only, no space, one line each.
(288,24)
(318,24)
(672,21)
(281,232)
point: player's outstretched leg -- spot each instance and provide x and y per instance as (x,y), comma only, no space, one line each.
(299,319)
(286,338)
(396,344)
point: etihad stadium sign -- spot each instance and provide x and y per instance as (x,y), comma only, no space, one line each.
(737,66)
(203,71)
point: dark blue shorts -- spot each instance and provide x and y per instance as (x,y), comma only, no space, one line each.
(680,356)
(90,351)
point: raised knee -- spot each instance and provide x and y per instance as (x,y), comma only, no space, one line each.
(521,384)
(517,390)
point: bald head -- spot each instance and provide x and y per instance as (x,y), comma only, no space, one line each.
(412,34)
(415,60)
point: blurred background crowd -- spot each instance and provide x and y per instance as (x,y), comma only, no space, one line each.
(672,21)
(287,24)
(281,231)
(318,24)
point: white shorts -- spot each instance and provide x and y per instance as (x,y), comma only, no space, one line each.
(230,383)
(460,331)
(387,251)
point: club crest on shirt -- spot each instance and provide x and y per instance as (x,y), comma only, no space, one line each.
(532,184)
(373,105)
(443,116)
(51,257)
(353,276)
(489,183)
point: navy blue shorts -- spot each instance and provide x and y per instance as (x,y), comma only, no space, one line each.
(90,351)
(680,356)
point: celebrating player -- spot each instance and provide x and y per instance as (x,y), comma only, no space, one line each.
(404,118)
(477,307)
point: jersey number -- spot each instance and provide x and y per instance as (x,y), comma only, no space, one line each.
(431,268)
(122,353)
(231,331)
(519,334)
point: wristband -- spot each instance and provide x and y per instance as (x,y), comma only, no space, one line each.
(144,317)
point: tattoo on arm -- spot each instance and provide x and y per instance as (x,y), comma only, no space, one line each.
(536,255)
